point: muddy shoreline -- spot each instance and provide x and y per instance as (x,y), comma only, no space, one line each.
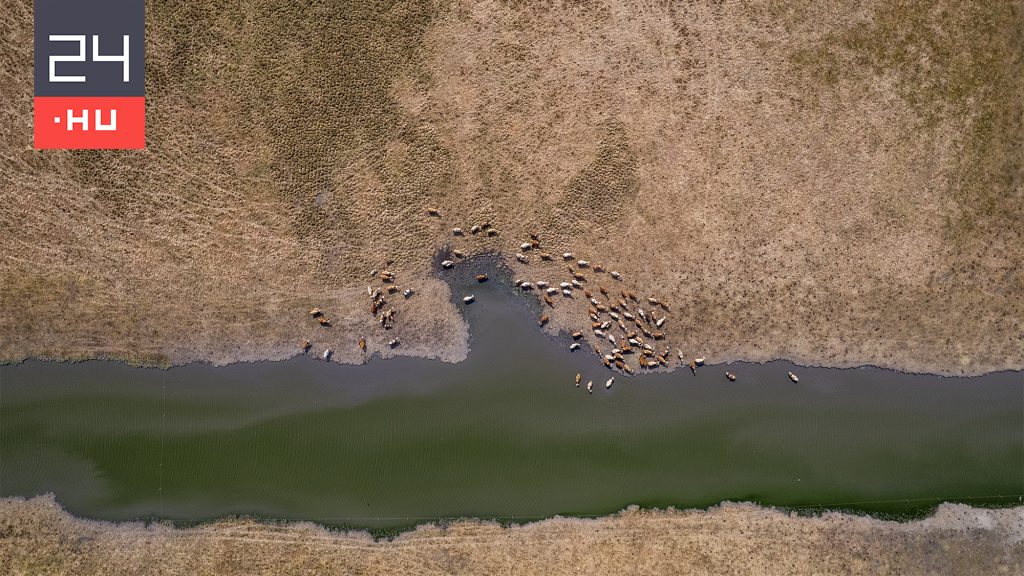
(454,283)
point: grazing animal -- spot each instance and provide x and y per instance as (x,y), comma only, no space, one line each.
(457,231)
(459,253)
(590,387)
(574,346)
(549,301)
(447,264)
(582,263)
(578,378)
(325,322)
(731,376)
(408,292)
(609,383)
(616,275)
(567,256)
(481,277)
(394,342)
(545,256)
(525,246)
(306,345)
(544,318)
(577,335)
(315,312)
(433,212)
(793,377)
(492,232)
(327,354)
(469,299)
(362,343)
(521,257)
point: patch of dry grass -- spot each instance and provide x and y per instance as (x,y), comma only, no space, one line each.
(37,537)
(832,183)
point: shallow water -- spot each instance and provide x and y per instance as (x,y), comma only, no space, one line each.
(505,434)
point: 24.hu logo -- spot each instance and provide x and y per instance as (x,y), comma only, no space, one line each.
(89,84)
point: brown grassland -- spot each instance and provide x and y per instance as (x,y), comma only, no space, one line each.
(835,183)
(37,537)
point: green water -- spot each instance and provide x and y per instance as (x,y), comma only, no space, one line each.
(505,434)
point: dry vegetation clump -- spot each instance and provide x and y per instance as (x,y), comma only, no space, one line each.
(37,537)
(837,184)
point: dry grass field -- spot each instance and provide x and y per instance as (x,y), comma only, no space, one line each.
(835,183)
(37,537)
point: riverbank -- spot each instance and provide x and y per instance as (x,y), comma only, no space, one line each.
(37,536)
(829,185)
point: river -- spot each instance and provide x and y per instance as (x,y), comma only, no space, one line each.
(505,434)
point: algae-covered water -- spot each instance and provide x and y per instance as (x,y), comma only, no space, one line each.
(504,434)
